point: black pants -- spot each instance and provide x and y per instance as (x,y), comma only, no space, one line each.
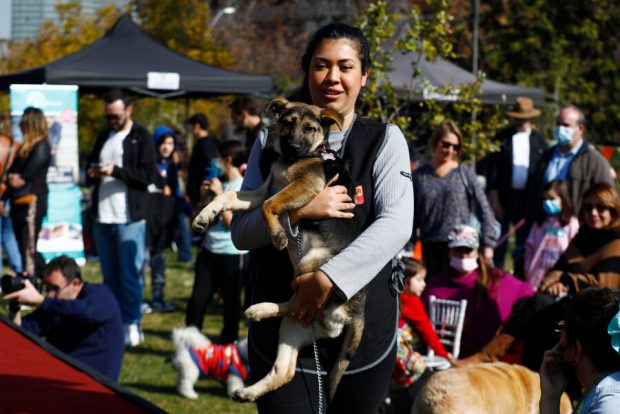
(435,255)
(212,272)
(360,393)
(534,320)
(27,221)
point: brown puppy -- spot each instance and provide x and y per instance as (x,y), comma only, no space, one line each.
(483,388)
(304,168)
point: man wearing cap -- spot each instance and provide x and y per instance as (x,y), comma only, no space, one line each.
(512,173)
(571,160)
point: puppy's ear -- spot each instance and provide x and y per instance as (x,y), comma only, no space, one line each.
(277,106)
(330,117)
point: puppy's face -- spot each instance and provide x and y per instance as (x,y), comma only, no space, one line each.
(301,128)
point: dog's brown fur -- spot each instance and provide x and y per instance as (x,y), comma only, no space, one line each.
(483,388)
(299,175)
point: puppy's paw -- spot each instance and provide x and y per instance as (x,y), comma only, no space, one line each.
(204,218)
(244,395)
(257,312)
(279,240)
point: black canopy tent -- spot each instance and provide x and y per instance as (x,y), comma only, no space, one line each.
(442,72)
(126,57)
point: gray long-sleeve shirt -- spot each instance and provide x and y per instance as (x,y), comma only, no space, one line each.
(361,261)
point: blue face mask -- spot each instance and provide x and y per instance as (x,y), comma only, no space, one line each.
(551,207)
(564,134)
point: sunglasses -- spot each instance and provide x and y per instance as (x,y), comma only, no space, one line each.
(113,117)
(599,207)
(446,145)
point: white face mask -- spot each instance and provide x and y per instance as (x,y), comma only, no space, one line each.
(464,265)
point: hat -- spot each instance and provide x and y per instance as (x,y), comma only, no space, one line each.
(523,109)
(463,236)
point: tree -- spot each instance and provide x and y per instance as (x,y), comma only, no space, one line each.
(432,35)
(568,47)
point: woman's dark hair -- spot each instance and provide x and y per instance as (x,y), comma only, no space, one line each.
(235,150)
(333,31)
(487,278)
(34,130)
(412,266)
(606,195)
(587,318)
(561,189)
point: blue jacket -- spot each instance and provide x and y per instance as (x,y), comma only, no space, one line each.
(88,328)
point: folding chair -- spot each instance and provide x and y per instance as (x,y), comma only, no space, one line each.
(447,317)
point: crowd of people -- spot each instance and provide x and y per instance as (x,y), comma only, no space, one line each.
(559,201)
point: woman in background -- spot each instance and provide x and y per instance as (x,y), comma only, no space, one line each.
(27,184)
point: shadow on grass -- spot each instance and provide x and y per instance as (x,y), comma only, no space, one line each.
(152,388)
(149,351)
(163,334)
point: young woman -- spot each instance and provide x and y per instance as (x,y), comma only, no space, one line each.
(441,198)
(219,263)
(28,186)
(490,292)
(556,225)
(336,65)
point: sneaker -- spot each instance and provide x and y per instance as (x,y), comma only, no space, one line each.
(163,307)
(133,335)
(146,308)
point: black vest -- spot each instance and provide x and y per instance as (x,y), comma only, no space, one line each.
(274,274)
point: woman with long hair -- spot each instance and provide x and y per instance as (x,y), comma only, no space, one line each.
(442,188)
(336,65)
(27,184)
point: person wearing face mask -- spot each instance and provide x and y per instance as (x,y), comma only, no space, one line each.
(571,160)
(556,225)
(490,292)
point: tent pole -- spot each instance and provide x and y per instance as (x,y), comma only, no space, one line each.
(475,71)
(188,135)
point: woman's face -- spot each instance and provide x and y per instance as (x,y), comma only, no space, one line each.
(447,148)
(335,75)
(166,147)
(596,214)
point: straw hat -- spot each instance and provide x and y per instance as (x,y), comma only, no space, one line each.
(523,109)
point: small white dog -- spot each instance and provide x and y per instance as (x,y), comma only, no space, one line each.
(195,355)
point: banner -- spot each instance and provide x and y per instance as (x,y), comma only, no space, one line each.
(62,227)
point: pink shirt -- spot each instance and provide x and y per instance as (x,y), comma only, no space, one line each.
(544,246)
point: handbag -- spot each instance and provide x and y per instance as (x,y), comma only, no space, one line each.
(475,210)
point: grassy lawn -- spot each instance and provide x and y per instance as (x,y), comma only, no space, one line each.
(147,370)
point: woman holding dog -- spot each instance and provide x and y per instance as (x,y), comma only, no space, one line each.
(441,189)
(336,65)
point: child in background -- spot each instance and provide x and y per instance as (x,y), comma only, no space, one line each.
(415,330)
(555,227)
(219,264)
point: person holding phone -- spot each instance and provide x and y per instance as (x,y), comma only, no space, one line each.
(219,264)
(588,349)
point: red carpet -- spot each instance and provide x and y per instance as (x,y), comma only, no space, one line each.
(37,378)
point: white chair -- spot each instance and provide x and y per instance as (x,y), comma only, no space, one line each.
(447,317)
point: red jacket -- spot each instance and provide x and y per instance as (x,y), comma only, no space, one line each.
(412,311)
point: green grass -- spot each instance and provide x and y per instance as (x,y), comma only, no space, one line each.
(147,370)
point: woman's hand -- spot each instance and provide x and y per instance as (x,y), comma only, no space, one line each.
(16,181)
(311,293)
(550,278)
(553,380)
(332,202)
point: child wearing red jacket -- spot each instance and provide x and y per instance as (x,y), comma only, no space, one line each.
(415,331)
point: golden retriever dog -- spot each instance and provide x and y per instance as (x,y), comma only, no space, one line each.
(494,388)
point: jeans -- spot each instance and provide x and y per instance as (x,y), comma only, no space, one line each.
(121,253)
(184,239)
(10,246)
